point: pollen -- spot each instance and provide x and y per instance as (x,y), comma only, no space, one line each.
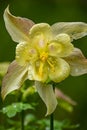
(44,56)
(41,69)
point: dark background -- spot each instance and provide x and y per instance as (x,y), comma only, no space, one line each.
(51,11)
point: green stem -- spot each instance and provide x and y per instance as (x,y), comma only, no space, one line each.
(51,122)
(22,120)
(52,115)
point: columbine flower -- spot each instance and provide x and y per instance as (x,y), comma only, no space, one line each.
(44,53)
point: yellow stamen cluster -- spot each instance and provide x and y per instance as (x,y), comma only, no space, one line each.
(43,56)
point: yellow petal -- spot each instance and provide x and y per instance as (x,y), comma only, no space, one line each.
(40,35)
(41,28)
(47,95)
(17,27)
(54,49)
(14,78)
(61,46)
(75,30)
(25,53)
(59,71)
(77,62)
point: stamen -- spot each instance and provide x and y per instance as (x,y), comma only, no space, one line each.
(44,56)
(51,65)
(41,69)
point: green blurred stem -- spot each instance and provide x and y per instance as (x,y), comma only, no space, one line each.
(51,122)
(52,115)
(22,120)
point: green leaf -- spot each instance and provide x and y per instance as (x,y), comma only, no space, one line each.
(65,105)
(9,111)
(58,125)
(67,124)
(30,118)
(14,108)
(27,106)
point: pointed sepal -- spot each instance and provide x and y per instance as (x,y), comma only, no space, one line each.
(17,27)
(47,95)
(13,79)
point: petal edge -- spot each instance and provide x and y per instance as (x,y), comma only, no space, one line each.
(17,27)
(13,79)
(77,62)
(76,30)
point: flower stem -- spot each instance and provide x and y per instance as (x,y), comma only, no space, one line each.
(51,122)
(52,115)
(22,120)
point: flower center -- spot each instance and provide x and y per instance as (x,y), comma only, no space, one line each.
(44,56)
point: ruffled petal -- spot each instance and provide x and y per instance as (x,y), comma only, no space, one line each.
(17,27)
(40,35)
(59,71)
(14,78)
(41,28)
(47,95)
(61,46)
(77,62)
(25,53)
(76,30)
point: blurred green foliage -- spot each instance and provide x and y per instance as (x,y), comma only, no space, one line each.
(14,108)
(51,11)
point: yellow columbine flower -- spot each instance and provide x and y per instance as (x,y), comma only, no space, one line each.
(44,53)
